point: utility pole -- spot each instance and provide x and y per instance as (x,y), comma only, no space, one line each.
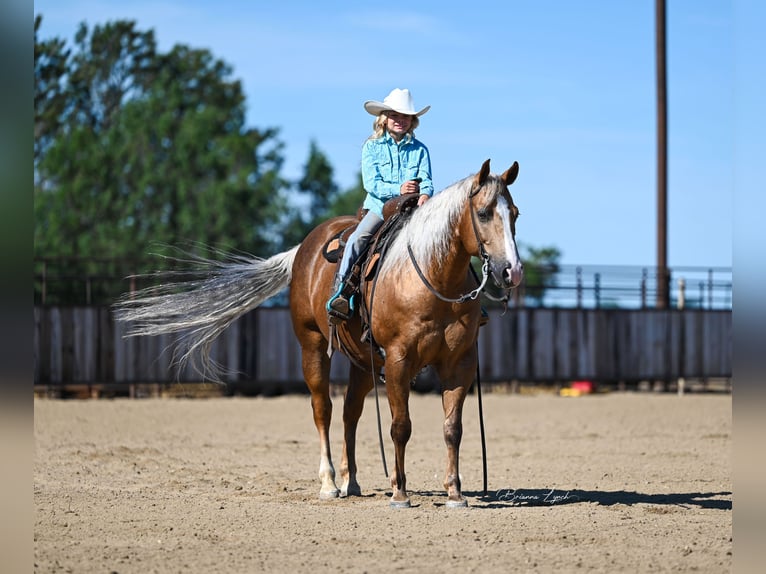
(663,278)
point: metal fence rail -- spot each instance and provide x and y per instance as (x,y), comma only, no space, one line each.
(631,287)
(92,281)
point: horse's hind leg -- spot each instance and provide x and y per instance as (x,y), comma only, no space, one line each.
(316,371)
(359,384)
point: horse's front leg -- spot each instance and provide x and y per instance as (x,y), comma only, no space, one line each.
(398,391)
(316,371)
(456,380)
(452,401)
(359,384)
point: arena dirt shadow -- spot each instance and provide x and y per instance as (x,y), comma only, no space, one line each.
(509,498)
(550,497)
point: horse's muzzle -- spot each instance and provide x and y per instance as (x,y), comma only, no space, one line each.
(512,276)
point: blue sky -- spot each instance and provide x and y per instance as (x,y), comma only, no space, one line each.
(565,88)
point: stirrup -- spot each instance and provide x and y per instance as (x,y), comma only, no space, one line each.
(339,307)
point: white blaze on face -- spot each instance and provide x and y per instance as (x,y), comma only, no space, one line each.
(511,251)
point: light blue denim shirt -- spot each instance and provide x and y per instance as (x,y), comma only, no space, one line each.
(386,165)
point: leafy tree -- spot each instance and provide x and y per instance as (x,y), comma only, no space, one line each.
(349,201)
(135,147)
(51,61)
(318,183)
(318,189)
(325,199)
(541,266)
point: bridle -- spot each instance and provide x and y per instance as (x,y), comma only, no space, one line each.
(485,271)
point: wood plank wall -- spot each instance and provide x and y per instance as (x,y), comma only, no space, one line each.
(85,345)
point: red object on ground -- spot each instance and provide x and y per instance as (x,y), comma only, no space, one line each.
(583,386)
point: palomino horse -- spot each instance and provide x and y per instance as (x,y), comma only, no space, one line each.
(425,312)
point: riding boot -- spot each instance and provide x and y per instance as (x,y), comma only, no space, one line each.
(339,304)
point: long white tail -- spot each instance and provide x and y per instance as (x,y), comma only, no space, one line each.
(200,307)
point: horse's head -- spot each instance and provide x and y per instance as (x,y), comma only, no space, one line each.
(493,220)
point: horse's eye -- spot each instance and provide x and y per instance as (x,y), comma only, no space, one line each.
(484,214)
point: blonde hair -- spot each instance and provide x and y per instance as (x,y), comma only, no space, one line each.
(379,126)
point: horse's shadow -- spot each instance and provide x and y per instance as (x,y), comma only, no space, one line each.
(549,497)
(508,498)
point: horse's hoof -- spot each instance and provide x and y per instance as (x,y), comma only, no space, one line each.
(457,503)
(330,495)
(351,491)
(400,503)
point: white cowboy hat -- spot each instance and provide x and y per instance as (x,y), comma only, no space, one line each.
(398,101)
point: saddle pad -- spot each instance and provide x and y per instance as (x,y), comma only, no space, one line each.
(333,249)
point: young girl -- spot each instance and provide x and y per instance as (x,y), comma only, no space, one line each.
(393,163)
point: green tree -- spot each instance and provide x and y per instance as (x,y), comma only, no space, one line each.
(348,201)
(541,267)
(317,181)
(77,99)
(323,197)
(51,61)
(135,147)
(316,189)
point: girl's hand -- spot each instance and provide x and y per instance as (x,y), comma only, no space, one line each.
(422,199)
(411,186)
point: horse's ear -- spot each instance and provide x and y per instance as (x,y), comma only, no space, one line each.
(481,177)
(511,173)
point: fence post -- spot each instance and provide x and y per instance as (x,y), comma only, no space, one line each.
(644,276)
(519,295)
(681,293)
(578,274)
(597,290)
(44,287)
(682,335)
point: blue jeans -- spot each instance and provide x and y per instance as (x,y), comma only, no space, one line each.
(358,240)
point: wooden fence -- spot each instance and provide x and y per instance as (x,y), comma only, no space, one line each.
(84,345)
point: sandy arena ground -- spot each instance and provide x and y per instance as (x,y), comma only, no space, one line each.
(620,482)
